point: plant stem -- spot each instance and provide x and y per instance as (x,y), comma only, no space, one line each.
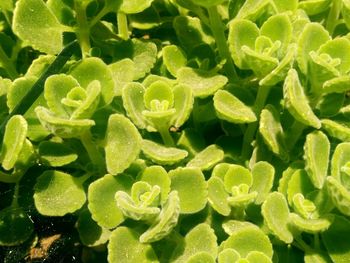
(333,16)
(83,29)
(218,30)
(15,196)
(98,17)
(166,136)
(123,29)
(249,134)
(93,152)
(7,64)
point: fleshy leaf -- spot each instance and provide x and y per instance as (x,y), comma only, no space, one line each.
(339,195)
(91,69)
(237,175)
(312,37)
(166,221)
(316,155)
(297,102)
(123,73)
(312,226)
(247,239)
(299,183)
(228,255)
(35,24)
(161,154)
(340,160)
(201,257)
(276,213)
(314,7)
(242,33)
(183,104)
(200,239)
(56,154)
(160,91)
(336,129)
(217,196)
(203,83)
(263,175)
(337,85)
(338,231)
(57,193)
(123,143)
(90,233)
(124,246)
(184,180)
(271,130)
(231,109)
(15,226)
(102,204)
(207,158)
(258,257)
(134,6)
(14,138)
(144,56)
(174,59)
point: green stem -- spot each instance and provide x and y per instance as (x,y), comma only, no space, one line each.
(300,243)
(7,64)
(294,133)
(123,29)
(15,196)
(249,134)
(218,30)
(93,152)
(333,16)
(99,16)
(83,29)
(166,136)
(83,178)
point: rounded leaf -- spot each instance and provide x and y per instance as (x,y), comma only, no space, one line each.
(207,158)
(160,91)
(56,154)
(217,196)
(336,129)
(183,104)
(57,193)
(174,58)
(339,195)
(263,176)
(312,226)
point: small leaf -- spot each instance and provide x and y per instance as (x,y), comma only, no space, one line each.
(297,102)
(35,24)
(183,104)
(299,183)
(217,196)
(271,130)
(208,3)
(144,56)
(174,59)
(102,204)
(201,238)
(15,226)
(316,155)
(231,109)
(201,257)
(203,83)
(184,180)
(207,158)
(124,247)
(15,135)
(134,6)
(123,143)
(263,176)
(237,175)
(160,91)
(337,85)
(258,257)
(122,73)
(276,213)
(340,159)
(228,255)
(338,231)
(314,7)
(312,226)
(56,154)
(90,233)
(162,155)
(166,221)
(336,129)
(339,195)
(57,193)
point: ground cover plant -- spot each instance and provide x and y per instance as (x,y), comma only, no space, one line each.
(190,131)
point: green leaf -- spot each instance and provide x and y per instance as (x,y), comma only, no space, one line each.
(134,6)
(37,26)
(174,58)
(203,83)
(336,129)
(122,73)
(314,7)
(272,132)
(339,195)
(166,220)
(231,109)
(241,33)
(252,9)
(15,226)
(263,176)
(276,213)
(283,6)
(61,127)
(316,155)
(183,104)
(237,175)
(337,85)
(297,102)
(90,233)
(299,183)
(201,257)
(312,37)
(207,158)
(57,193)
(201,238)
(207,3)
(161,154)
(91,69)
(14,138)
(217,196)
(144,55)
(124,247)
(123,143)
(340,160)
(102,205)
(160,91)
(56,154)
(248,239)
(61,10)
(184,180)
(228,255)
(312,226)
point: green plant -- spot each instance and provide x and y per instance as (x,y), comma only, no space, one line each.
(177,130)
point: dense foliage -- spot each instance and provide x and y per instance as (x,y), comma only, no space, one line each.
(190,131)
